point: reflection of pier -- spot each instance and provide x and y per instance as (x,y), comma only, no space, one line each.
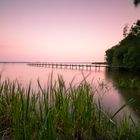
(76,66)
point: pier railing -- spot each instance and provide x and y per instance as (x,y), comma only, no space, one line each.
(80,66)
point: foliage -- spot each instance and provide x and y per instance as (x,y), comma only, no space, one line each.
(136,2)
(126,54)
(58,113)
(109,54)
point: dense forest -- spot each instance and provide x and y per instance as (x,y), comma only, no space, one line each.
(126,54)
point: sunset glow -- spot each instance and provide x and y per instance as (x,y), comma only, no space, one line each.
(62,30)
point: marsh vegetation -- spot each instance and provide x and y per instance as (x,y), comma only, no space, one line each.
(59,112)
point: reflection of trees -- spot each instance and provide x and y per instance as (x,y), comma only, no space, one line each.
(126,93)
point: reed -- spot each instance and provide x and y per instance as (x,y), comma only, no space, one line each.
(59,112)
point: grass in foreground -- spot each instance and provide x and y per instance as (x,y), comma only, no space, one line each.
(58,113)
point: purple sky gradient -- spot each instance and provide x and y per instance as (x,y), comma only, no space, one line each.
(62,30)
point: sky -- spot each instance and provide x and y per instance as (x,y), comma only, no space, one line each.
(62,30)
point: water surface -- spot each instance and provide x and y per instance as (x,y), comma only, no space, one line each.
(103,82)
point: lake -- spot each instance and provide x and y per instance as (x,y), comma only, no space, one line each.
(104,84)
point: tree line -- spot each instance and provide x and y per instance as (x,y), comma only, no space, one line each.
(126,54)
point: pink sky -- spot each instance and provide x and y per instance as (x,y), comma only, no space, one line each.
(62,30)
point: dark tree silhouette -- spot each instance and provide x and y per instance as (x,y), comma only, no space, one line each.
(136,2)
(125,30)
(126,53)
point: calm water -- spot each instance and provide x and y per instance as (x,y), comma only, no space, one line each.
(103,83)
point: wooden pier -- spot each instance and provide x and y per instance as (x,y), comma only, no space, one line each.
(77,66)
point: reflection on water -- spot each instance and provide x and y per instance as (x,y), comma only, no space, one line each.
(111,96)
(24,74)
(124,92)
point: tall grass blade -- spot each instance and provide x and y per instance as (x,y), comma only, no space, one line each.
(123,106)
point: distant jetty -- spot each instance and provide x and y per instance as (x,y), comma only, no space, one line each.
(71,65)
